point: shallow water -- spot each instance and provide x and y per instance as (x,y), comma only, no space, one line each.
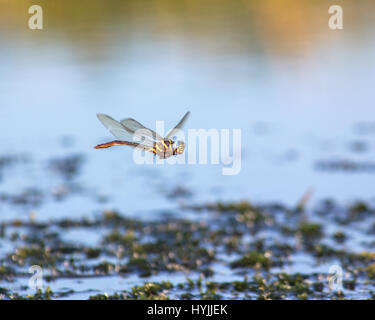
(301,93)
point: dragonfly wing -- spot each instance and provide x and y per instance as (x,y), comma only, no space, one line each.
(178,126)
(133,125)
(119,131)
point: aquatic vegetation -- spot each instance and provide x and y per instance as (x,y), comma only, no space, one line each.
(28,197)
(6,273)
(253,259)
(147,291)
(104,267)
(140,265)
(68,167)
(371,271)
(9,161)
(345,165)
(93,253)
(151,290)
(286,285)
(47,294)
(340,236)
(257,242)
(310,231)
(179,192)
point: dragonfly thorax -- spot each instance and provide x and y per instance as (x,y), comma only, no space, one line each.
(164,148)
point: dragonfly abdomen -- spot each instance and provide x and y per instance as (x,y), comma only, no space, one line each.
(116,143)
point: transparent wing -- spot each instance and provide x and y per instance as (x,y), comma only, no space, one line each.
(122,133)
(132,126)
(178,126)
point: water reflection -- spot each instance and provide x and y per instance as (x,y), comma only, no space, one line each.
(271,68)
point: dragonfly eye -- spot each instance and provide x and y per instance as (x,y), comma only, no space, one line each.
(180,147)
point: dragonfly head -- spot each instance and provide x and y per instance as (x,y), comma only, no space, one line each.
(180,147)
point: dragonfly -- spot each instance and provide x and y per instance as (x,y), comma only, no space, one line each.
(128,130)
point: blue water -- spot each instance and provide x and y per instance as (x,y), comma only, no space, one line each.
(297,90)
(293,111)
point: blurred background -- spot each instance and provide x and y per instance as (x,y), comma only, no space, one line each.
(301,93)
